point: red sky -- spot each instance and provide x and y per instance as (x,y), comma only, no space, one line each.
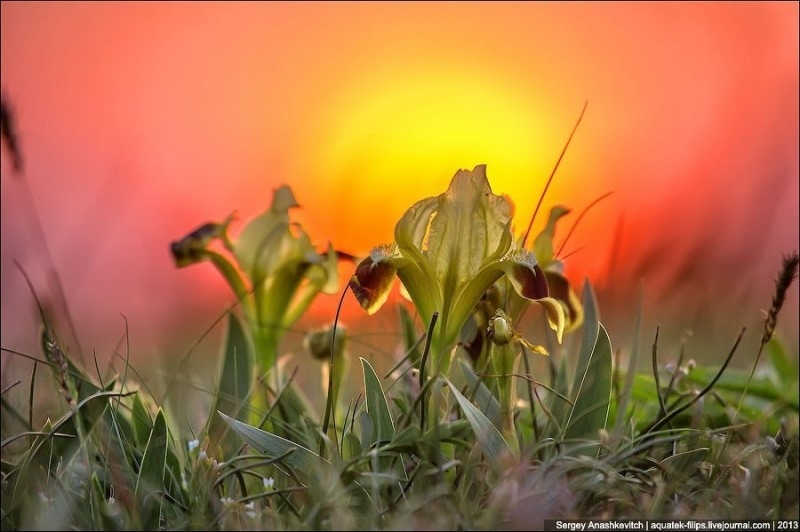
(138,122)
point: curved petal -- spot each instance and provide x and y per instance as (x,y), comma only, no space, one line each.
(372,281)
(190,249)
(465,301)
(469,224)
(410,231)
(555,315)
(525,274)
(529,281)
(422,290)
(563,293)
(267,241)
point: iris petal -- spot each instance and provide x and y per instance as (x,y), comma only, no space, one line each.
(372,282)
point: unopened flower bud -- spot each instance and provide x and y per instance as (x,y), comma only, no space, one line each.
(318,342)
(500,329)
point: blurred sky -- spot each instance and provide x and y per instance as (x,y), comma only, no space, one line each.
(140,121)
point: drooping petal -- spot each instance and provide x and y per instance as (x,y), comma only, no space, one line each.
(555,315)
(525,274)
(372,281)
(191,248)
(561,291)
(522,271)
(529,281)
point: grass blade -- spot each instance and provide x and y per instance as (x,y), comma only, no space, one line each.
(494,446)
(235,382)
(150,483)
(377,407)
(141,423)
(592,396)
(591,326)
(410,340)
(483,397)
(627,391)
(300,458)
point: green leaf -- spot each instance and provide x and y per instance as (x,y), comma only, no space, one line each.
(88,410)
(784,366)
(627,391)
(483,397)
(410,339)
(492,443)
(559,408)
(377,407)
(299,458)
(737,381)
(141,423)
(590,329)
(235,382)
(593,393)
(150,482)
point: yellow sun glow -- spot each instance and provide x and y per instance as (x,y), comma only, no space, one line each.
(394,141)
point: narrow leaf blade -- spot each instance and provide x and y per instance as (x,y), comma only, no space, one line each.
(492,442)
(484,398)
(300,459)
(377,407)
(234,380)
(151,474)
(592,396)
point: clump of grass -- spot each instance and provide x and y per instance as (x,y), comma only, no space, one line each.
(115,459)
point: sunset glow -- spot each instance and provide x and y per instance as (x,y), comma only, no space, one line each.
(140,122)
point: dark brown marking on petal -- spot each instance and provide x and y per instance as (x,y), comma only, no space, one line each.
(559,290)
(371,283)
(532,279)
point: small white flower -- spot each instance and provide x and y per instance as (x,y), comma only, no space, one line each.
(269,483)
(227,501)
(250,506)
(202,455)
(111,501)
(193,444)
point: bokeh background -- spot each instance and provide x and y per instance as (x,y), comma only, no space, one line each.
(139,122)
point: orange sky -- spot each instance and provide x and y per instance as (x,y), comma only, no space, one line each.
(140,121)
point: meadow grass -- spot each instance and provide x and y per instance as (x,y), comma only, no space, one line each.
(410,450)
